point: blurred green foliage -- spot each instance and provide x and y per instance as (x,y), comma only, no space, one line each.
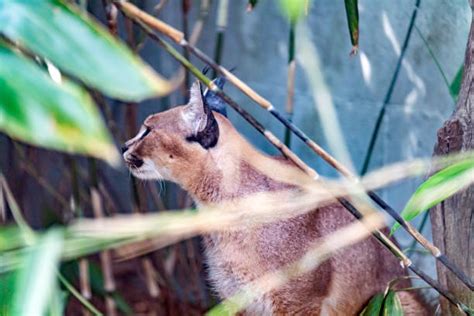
(49,110)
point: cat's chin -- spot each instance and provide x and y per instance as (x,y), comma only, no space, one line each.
(147,171)
(146,174)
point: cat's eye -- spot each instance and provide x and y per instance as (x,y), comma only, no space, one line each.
(146,132)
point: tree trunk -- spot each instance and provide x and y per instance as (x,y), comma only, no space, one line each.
(453,220)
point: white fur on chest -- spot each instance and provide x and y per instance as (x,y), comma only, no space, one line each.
(226,262)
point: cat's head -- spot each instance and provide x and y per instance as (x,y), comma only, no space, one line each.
(172,143)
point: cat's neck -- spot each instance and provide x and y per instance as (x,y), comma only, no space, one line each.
(234,170)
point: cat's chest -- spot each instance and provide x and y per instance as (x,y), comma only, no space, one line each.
(233,261)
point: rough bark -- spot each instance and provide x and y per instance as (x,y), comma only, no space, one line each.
(453,220)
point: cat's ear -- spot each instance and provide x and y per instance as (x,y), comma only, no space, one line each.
(197,113)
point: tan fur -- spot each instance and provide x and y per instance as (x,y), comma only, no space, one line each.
(233,168)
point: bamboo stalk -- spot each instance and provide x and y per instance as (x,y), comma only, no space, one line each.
(221,23)
(84,277)
(105,258)
(150,277)
(145,24)
(84,283)
(290,86)
(185,7)
(388,95)
(198,26)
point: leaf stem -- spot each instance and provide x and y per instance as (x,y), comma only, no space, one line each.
(78,295)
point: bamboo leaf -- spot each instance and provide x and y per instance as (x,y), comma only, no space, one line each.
(293,9)
(374,306)
(39,111)
(437,188)
(37,276)
(392,305)
(352,13)
(80,46)
(455,86)
(251,4)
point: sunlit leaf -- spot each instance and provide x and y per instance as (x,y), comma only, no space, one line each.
(37,277)
(11,237)
(293,9)
(39,111)
(455,86)
(437,188)
(392,305)
(352,12)
(80,46)
(374,306)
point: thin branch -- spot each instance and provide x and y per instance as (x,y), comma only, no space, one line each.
(105,257)
(388,95)
(222,17)
(290,85)
(84,301)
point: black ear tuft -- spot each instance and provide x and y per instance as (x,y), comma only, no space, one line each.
(205,70)
(213,100)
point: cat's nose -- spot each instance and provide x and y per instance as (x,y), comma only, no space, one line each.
(134,161)
(124,148)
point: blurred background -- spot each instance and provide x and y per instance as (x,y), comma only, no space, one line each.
(417,100)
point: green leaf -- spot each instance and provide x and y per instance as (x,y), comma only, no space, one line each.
(374,306)
(39,111)
(11,237)
(352,13)
(437,188)
(455,86)
(81,47)
(392,305)
(7,290)
(37,277)
(293,9)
